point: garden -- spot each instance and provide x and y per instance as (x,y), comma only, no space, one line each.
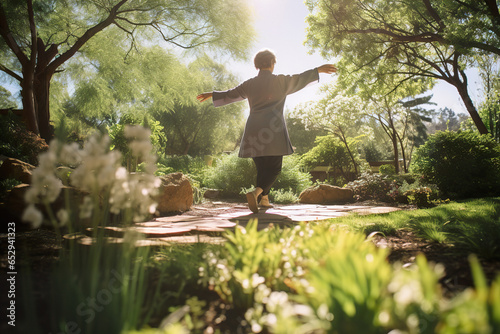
(106,113)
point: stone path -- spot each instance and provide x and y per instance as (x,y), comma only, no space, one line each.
(205,222)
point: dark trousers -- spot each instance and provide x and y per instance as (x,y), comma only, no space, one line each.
(268,169)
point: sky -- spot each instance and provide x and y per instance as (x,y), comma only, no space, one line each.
(281,27)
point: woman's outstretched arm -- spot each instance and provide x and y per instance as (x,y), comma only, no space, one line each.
(327,68)
(204,96)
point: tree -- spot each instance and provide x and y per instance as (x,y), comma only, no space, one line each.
(39,37)
(155,85)
(405,40)
(414,130)
(446,119)
(6,100)
(330,151)
(194,128)
(301,135)
(490,108)
(337,114)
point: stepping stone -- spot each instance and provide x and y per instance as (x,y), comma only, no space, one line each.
(162,231)
(148,231)
(193,239)
(88,241)
(149,224)
(174,219)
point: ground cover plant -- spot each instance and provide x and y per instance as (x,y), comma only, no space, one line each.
(324,277)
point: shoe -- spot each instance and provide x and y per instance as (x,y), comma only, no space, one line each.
(252,202)
(264,202)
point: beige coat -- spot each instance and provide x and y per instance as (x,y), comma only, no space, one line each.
(266,133)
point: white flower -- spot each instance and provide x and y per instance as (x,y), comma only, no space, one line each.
(86,208)
(63,217)
(32,215)
(136,132)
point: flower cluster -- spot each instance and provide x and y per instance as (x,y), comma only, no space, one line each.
(97,171)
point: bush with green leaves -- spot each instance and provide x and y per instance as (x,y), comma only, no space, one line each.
(16,142)
(232,175)
(462,164)
(372,186)
(388,169)
(330,151)
(283,196)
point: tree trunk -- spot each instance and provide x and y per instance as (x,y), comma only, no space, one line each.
(343,139)
(405,168)
(396,153)
(28,98)
(464,94)
(42,96)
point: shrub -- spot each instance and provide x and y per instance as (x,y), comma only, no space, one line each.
(330,151)
(387,169)
(462,164)
(291,177)
(283,196)
(231,174)
(17,142)
(370,186)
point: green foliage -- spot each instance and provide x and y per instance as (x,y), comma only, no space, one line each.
(317,278)
(330,151)
(348,288)
(388,169)
(153,85)
(6,100)
(282,196)
(301,136)
(119,141)
(371,186)
(16,142)
(461,164)
(292,178)
(231,174)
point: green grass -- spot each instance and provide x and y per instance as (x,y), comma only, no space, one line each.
(471,225)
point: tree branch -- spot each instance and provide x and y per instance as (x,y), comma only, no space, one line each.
(31,19)
(9,39)
(85,37)
(432,12)
(11,73)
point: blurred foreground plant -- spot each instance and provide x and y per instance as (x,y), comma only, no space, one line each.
(96,171)
(99,286)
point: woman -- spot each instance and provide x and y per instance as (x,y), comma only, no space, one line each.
(265,139)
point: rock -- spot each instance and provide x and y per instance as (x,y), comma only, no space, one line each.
(16,169)
(325,194)
(176,193)
(15,204)
(211,193)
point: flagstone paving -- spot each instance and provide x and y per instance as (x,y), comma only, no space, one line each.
(205,222)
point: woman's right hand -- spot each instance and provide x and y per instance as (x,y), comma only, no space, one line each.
(327,68)
(204,96)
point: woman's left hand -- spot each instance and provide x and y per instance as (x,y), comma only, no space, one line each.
(327,68)
(204,96)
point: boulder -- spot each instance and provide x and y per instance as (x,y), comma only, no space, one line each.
(15,203)
(176,193)
(211,193)
(16,169)
(326,194)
